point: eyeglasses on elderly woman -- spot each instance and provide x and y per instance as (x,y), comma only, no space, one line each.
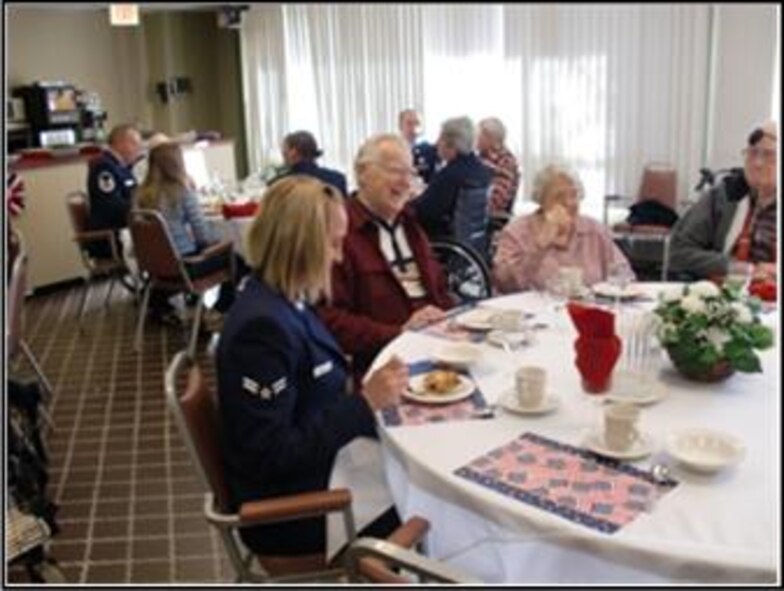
(767,155)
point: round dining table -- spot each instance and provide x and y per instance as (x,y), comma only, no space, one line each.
(708,528)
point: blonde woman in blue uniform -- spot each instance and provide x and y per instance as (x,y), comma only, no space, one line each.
(281,376)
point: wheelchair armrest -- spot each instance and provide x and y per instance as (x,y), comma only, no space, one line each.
(210,252)
(298,506)
(406,536)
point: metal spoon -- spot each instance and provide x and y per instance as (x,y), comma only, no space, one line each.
(660,473)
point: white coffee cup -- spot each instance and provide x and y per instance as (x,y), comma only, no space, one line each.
(620,426)
(530,381)
(572,280)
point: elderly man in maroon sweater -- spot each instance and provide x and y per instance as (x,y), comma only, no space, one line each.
(388,280)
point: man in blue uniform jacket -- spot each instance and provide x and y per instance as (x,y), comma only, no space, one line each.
(423,153)
(435,207)
(300,151)
(110,185)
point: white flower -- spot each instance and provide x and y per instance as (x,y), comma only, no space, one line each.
(742,313)
(717,338)
(671,294)
(704,289)
(693,304)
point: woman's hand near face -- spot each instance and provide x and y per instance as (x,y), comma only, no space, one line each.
(385,385)
(556,227)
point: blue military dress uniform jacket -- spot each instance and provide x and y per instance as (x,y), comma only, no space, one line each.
(110,186)
(285,412)
(333,177)
(435,207)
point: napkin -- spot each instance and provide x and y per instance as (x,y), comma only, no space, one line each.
(597,347)
(239,210)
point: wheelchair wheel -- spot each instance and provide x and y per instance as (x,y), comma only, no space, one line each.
(468,277)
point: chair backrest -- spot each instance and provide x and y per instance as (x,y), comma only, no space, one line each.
(16,294)
(471,218)
(79,210)
(155,252)
(197,418)
(659,183)
(467,274)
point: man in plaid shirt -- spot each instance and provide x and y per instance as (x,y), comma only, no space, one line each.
(506,172)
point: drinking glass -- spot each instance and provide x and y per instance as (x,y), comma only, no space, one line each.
(618,277)
(739,275)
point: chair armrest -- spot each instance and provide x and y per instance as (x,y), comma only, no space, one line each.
(406,536)
(211,251)
(408,560)
(410,533)
(93,236)
(294,506)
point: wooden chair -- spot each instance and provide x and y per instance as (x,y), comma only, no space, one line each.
(196,415)
(370,560)
(165,269)
(113,267)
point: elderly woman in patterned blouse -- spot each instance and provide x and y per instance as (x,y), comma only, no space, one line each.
(532,248)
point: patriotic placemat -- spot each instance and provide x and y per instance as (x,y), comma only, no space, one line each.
(571,482)
(409,412)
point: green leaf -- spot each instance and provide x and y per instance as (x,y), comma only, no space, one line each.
(761,336)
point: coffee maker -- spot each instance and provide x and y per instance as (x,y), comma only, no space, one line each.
(53,113)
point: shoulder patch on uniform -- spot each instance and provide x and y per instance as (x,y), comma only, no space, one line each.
(322,369)
(106,181)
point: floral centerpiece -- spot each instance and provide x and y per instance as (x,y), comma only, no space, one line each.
(710,332)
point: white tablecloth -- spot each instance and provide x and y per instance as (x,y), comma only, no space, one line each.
(722,528)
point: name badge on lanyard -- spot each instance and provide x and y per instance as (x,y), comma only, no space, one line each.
(322,369)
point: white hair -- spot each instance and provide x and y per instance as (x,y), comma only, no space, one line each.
(547,175)
(370,150)
(494,127)
(458,133)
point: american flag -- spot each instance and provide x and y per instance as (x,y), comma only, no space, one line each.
(14,194)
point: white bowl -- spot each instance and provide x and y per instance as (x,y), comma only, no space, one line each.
(459,354)
(705,450)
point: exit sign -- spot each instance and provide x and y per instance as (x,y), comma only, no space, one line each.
(124,15)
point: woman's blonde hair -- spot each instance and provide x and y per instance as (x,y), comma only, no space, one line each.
(166,178)
(287,240)
(545,177)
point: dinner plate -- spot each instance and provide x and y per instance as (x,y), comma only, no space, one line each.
(640,448)
(476,319)
(416,391)
(705,450)
(608,290)
(509,402)
(651,393)
(461,355)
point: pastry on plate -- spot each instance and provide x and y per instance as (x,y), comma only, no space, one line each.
(441,381)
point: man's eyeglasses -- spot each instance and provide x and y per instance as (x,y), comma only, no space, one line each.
(397,171)
(766,155)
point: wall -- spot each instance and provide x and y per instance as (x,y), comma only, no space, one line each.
(78,46)
(744,77)
(122,64)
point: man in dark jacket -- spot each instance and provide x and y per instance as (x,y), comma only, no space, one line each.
(424,154)
(299,155)
(110,185)
(435,208)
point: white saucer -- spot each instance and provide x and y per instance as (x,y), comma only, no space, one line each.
(477,319)
(610,291)
(641,448)
(655,393)
(512,339)
(508,401)
(705,450)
